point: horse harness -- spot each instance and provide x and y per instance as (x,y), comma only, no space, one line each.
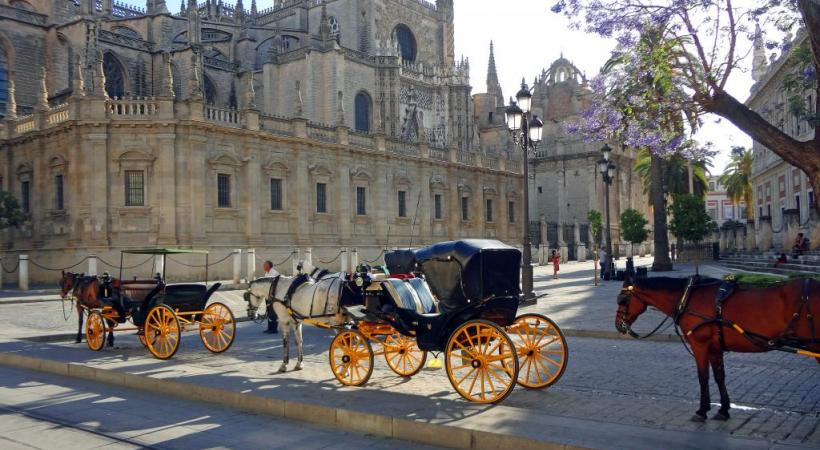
(783,342)
(298,282)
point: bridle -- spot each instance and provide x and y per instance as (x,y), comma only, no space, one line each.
(622,323)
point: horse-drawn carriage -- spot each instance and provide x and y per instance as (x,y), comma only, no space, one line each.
(159,312)
(460,298)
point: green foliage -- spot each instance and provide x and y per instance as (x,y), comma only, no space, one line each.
(675,173)
(10,213)
(738,179)
(732,224)
(633,226)
(596,223)
(689,218)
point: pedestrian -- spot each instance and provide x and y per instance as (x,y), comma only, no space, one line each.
(604,258)
(273,323)
(556,260)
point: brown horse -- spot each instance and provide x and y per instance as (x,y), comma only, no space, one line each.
(85,290)
(756,319)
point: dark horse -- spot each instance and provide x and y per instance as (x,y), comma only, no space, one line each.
(86,291)
(740,319)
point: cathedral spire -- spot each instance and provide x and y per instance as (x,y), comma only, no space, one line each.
(493,86)
(759,65)
(254,12)
(182,11)
(324,24)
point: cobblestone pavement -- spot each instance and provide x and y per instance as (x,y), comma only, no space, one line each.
(776,396)
(44,411)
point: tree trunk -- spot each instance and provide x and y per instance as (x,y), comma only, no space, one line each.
(662,261)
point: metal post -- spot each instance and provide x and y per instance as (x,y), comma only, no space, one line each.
(92,265)
(237,265)
(22,273)
(526,269)
(608,181)
(251,264)
(309,256)
(1,272)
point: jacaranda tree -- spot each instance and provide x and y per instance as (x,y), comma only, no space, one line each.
(709,33)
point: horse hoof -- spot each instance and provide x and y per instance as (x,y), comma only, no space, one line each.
(721,416)
(699,418)
(78,341)
(283,369)
(297,368)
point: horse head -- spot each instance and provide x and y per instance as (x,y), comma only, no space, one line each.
(68,280)
(630,307)
(258,291)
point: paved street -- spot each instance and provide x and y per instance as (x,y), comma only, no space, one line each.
(46,412)
(616,381)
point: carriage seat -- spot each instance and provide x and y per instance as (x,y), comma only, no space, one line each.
(411,294)
(139,290)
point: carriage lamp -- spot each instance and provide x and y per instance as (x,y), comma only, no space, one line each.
(606,151)
(525,131)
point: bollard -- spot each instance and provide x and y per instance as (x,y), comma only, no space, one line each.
(354,259)
(92,265)
(344,261)
(22,273)
(309,256)
(237,265)
(251,264)
(294,262)
(159,265)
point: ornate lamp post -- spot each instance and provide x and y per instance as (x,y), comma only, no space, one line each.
(525,130)
(607,169)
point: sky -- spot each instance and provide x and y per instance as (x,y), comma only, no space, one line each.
(528,38)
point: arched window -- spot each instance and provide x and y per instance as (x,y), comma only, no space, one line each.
(362,107)
(407,42)
(114,76)
(335,28)
(210,91)
(4,81)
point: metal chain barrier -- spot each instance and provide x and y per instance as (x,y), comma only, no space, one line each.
(261,259)
(375,260)
(16,266)
(332,260)
(123,267)
(33,263)
(199,266)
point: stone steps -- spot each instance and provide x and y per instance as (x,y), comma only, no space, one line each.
(766,267)
(770,260)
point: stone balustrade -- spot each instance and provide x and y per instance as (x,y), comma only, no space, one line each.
(137,107)
(224,116)
(146,109)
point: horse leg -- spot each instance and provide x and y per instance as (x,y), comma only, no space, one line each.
(702,361)
(79,324)
(285,348)
(110,333)
(300,354)
(719,372)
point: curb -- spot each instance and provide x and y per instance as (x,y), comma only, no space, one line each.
(343,419)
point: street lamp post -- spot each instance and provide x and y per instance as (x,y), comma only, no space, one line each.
(525,130)
(607,170)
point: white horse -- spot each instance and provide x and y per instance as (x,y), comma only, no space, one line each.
(316,300)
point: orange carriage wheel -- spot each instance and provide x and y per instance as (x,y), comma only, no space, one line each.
(162,332)
(542,350)
(481,362)
(95,331)
(403,355)
(217,327)
(351,358)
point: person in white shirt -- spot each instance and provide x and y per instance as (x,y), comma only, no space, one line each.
(270,272)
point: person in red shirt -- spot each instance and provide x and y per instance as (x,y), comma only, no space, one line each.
(556,260)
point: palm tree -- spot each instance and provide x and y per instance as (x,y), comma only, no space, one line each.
(675,174)
(737,179)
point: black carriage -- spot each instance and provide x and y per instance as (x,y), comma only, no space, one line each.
(161,312)
(460,298)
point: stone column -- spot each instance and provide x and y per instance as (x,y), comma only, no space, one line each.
(751,243)
(345,194)
(580,247)
(764,238)
(545,243)
(740,239)
(425,208)
(563,249)
(164,180)
(791,226)
(253,201)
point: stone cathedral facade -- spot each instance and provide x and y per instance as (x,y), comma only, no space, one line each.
(311,124)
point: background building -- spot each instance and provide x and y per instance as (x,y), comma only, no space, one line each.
(565,183)
(719,206)
(340,124)
(784,200)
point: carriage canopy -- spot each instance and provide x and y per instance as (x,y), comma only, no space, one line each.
(458,271)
